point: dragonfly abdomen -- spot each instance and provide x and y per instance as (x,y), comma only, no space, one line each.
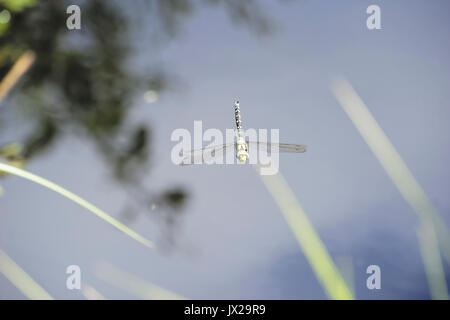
(241,145)
(237,116)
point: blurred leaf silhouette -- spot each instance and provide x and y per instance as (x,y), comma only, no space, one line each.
(81,82)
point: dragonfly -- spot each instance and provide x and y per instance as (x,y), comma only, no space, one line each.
(240,146)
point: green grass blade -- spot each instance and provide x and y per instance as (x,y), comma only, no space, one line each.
(73,197)
(405,182)
(313,248)
(133,284)
(21,280)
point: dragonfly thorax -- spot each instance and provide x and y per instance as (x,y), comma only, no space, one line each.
(241,145)
(241,150)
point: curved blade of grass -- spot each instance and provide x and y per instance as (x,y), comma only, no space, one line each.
(73,197)
(345,266)
(403,179)
(21,280)
(90,293)
(434,269)
(21,66)
(313,248)
(133,284)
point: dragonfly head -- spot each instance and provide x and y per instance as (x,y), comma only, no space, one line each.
(243,157)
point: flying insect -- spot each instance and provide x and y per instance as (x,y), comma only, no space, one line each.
(241,145)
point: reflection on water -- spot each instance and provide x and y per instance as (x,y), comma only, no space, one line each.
(91,84)
(81,84)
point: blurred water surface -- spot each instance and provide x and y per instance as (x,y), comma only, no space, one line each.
(96,111)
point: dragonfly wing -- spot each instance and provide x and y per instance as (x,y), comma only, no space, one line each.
(280,147)
(196,155)
(295,148)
